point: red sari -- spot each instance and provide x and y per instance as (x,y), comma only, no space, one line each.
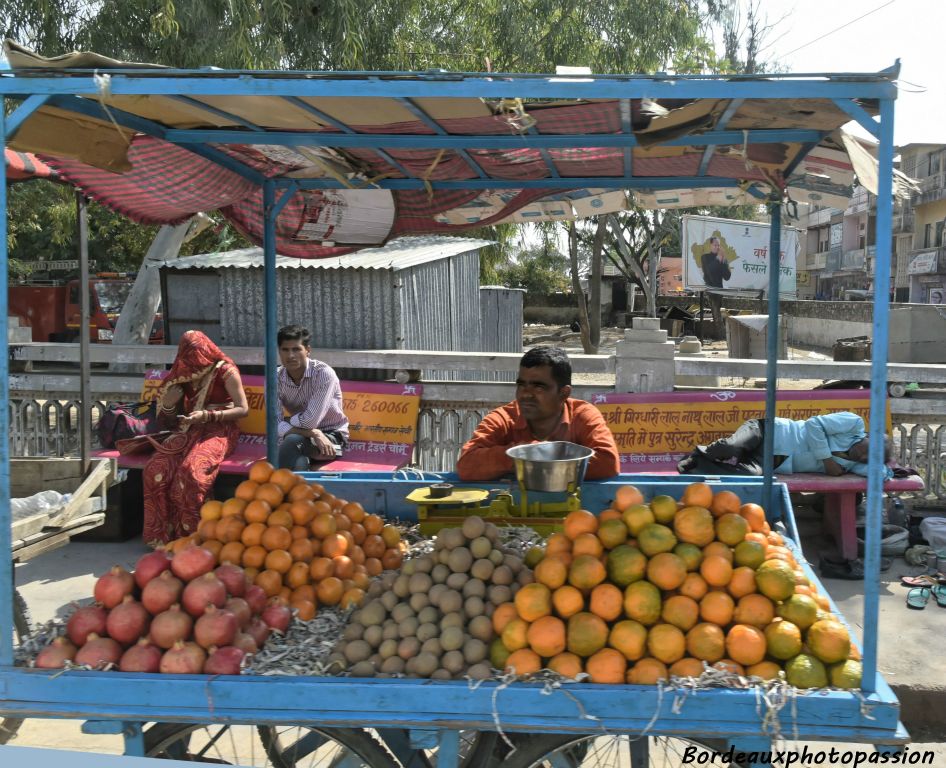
(182,471)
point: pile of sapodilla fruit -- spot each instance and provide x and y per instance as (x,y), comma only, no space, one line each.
(297,541)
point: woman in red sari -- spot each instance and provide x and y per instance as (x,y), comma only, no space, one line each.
(202,399)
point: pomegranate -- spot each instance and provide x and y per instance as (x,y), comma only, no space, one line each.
(183,659)
(143,656)
(127,621)
(239,608)
(201,592)
(84,621)
(216,627)
(192,562)
(277,616)
(259,630)
(245,643)
(56,654)
(151,566)
(233,578)
(113,586)
(98,652)
(161,593)
(171,626)
(224,661)
(255,595)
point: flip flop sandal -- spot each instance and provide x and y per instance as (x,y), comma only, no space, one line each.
(918,597)
(939,592)
(924,580)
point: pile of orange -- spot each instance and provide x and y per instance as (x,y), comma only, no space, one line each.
(645,591)
(297,541)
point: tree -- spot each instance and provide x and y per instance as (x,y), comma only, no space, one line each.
(539,270)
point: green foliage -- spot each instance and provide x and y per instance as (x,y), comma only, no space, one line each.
(540,271)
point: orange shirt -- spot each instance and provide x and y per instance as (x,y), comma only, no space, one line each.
(484,455)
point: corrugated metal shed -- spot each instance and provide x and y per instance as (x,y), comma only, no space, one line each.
(500,325)
(415,293)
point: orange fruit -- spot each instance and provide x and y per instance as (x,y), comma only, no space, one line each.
(351,596)
(300,532)
(697,495)
(525,661)
(344,566)
(666,643)
(716,571)
(285,479)
(250,573)
(334,544)
(578,522)
(558,542)
(297,575)
(566,664)
(754,609)
(321,568)
(301,511)
(607,601)
(655,538)
(253,534)
(717,607)
(515,634)
(686,667)
(373,545)
(693,586)
(358,533)
(754,515)
(278,560)
(276,537)
(322,525)
(231,552)
(232,507)
(257,511)
(630,638)
(329,591)
(749,553)
(800,609)
(260,471)
(725,502)
(681,611)
(775,579)
(305,591)
(391,559)
(305,610)
(718,548)
(783,640)
(664,508)
(626,564)
(546,636)
(612,533)
(586,633)
(731,529)
(745,644)
(742,582)
(373,525)
(666,570)
(211,510)
(354,511)
(694,525)
(828,640)
(373,566)
(229,529)
(552,572)
(707,642)
(246,490)
(253,556)
(301,551)
(637,516)
(270,493)
(606,666)
(608,514)
(642,602)
(533,601)
(627,495)
(269,581)
(647,671)
(767,670)
(207,529)
(587,544)
(567,601)
(585,572)
(280,517)
(301,492)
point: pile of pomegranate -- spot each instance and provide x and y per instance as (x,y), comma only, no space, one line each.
(178,615)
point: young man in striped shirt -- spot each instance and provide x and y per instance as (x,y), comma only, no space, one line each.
(316,428)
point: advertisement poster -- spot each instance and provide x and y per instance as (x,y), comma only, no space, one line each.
(722,253)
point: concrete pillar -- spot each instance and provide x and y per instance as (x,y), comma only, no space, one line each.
(644,360)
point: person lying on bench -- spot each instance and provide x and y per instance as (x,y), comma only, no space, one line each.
(833,445)
(541,411)
(316,428)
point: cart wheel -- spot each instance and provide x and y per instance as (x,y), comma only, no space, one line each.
(245,745)
(21,628)
(593,750)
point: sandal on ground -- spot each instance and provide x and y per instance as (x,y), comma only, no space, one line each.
(923,580)
(918,597)
(939,592)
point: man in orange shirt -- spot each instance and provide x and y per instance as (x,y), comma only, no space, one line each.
(541,411)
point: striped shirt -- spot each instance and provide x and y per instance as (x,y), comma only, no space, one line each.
(314,403)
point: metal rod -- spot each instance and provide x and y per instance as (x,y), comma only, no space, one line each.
(566,183)
(269,271)
(702,306)
(6,543)
(878,394)
(772,350)
(85,368)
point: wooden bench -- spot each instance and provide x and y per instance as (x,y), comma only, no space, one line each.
(382,427)
(655,431)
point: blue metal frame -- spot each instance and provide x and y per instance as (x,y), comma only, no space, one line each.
(731,713)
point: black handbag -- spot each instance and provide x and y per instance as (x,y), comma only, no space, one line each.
(125,420)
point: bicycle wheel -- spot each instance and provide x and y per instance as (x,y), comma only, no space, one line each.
(609,751)
(21,629)
(245,745)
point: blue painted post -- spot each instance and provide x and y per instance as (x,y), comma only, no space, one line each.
(771,349)
(6,544)
(269,270)
(878,394)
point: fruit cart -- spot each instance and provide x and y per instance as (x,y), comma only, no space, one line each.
(250,720)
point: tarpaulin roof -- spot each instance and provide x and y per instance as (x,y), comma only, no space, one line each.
(360,169)
(21,166)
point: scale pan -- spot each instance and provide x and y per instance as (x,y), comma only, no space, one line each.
(552,467)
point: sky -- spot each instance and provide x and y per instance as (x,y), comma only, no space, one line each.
(913,31)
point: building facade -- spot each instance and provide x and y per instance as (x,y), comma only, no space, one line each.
(919,228)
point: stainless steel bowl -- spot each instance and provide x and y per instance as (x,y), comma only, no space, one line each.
(553,467)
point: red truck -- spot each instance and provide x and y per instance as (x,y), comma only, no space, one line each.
(51,308)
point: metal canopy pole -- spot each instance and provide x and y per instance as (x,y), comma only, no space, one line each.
(269,270)
(85,369)
(6,543)
(771,350)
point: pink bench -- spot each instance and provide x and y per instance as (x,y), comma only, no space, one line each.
(382,428)
(654,431)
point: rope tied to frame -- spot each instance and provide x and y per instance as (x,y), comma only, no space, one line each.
(103,81)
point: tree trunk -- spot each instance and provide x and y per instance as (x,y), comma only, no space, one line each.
(595,309)
(583,321)
(653,261)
